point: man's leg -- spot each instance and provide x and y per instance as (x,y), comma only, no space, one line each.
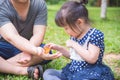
(6,67)
(33,61)
(8,52)
(9,62)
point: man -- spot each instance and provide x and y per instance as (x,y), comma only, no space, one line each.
(22,29)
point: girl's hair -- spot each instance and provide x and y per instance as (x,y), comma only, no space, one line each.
(70,12)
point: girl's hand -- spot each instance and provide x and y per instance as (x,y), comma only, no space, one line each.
(52,46)
(51,56)
(70,43)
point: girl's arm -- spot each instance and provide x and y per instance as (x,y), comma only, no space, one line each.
(64,51)
(90,55)
(59,48)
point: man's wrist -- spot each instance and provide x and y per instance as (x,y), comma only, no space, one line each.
(35,51)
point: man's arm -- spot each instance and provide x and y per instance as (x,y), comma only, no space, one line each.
(10,34)
(38,35)
(40,23)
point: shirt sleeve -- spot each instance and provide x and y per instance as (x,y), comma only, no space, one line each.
(41,18)
(97,39)
(4,18)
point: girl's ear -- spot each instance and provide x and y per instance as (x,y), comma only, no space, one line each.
(80,21)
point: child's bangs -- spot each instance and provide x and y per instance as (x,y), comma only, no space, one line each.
(60,19)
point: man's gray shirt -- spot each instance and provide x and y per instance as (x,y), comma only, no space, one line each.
(37,15)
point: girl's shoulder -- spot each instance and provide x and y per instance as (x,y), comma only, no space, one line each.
(97,38)
(98,31)
(97,34)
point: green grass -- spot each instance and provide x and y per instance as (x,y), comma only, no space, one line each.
(110,27)
(54,34)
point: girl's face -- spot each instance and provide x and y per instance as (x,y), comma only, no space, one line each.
(70,32)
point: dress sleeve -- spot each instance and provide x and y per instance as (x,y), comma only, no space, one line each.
(97,38)
(41,18)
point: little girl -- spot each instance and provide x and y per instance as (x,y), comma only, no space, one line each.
(86,46)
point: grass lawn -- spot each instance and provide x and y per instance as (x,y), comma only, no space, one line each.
(110,27)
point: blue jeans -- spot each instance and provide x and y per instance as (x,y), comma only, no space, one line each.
(7,51)
(52,74)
